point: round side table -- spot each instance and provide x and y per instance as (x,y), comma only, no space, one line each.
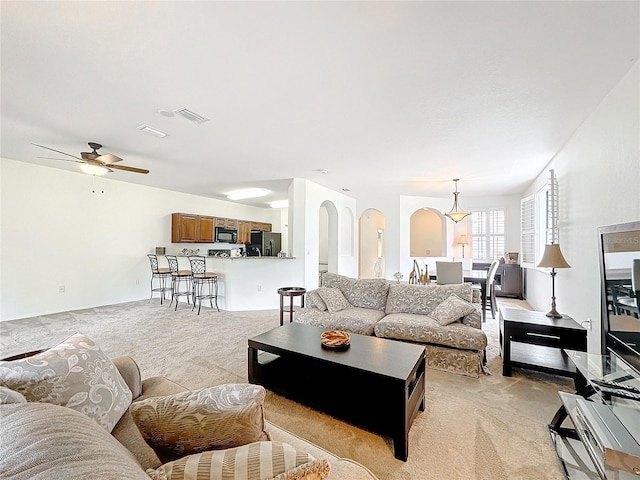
(290,292)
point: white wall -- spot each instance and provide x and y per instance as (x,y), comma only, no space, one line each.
(56,232)
(305,200)
(598,174)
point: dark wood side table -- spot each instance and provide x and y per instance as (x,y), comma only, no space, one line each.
(290,292)
(532,340)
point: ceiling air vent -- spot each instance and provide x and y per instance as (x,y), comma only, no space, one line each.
(189,115)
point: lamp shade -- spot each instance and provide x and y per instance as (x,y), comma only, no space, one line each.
(462,240)
(553,258)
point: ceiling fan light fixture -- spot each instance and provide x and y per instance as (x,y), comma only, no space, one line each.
(456,214)
(94,169)
(248,193)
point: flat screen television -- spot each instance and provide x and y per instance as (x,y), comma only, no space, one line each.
(620,280)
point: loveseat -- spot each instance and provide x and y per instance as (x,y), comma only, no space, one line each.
(442,317)
(42,440)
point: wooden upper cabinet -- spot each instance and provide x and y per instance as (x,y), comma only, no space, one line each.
(183,228)
(225,222)
(188,228)
(244,232)
(204,230)
(261,226)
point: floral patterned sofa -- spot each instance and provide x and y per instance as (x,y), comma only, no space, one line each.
(442,317)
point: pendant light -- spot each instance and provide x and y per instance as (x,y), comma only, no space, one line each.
(455,214)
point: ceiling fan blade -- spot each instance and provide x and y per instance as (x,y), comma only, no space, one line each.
(129,169)
(61,159)
(57,151)
(108,158)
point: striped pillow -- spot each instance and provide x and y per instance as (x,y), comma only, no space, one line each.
(256,461)
(211,418)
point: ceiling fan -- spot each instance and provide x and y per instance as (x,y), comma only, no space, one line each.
(94,162)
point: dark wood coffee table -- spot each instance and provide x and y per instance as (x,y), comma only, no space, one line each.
(376,383)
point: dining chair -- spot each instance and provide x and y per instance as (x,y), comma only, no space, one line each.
(491,287)
(163,275)
(205,284)
(629,304)
(449,272)
(178,277)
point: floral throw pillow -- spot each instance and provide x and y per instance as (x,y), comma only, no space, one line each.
(314,300)
(333,298)
(75,374)
(211,418)
(451,310)
(255,461)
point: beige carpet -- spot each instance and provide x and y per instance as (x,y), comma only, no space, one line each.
(493,427)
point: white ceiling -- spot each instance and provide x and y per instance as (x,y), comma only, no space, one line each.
(386,96)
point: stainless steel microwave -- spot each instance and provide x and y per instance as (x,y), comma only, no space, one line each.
(226,235)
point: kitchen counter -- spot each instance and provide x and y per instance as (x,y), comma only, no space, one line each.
(250,258)
(249,283)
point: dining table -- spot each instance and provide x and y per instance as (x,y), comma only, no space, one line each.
(478,277)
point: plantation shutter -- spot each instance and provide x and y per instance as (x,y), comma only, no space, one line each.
(528,231)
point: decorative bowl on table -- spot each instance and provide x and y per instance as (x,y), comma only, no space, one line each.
(335,339)
(190,252)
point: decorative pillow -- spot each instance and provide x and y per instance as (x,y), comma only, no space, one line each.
(74,374)
(334,299)
(314,300)
(206,419)
(8,396)
(452,309)
(44,441)
(256,461)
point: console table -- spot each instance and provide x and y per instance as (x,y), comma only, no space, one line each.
(534,341)
(604,438)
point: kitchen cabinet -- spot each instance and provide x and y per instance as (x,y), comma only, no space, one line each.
(188,228)
(225,222)
(183,228)
(260,226)
(204,229)
(244,232)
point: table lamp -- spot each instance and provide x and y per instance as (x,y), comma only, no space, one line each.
(462,240)
(552,258)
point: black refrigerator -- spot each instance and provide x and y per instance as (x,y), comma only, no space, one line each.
(267,244)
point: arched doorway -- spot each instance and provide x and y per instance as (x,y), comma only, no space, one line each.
(428,234)
(327,238)
(371,257)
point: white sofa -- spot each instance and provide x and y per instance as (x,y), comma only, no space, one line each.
(404,312)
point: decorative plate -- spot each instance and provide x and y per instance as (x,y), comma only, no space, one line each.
(335,339)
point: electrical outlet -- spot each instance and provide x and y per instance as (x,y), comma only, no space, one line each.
(62,289)
(259,288)
(587,324)
(137,281)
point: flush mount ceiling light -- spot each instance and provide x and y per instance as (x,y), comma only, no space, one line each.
(248,193)
(190,115)
(456,214)
(152,131)
(279,204)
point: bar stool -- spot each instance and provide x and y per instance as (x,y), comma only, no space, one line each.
(201,279)
(160,274)
(290,292)
(177,278)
